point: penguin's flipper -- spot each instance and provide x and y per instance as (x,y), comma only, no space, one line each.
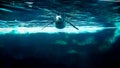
(47,25)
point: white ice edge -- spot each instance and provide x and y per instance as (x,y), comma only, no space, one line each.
(29,30)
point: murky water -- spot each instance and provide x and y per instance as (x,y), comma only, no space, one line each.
(23,42)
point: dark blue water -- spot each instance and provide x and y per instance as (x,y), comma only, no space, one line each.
(99,49)
(42,50)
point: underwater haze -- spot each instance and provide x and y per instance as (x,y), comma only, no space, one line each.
(25,42)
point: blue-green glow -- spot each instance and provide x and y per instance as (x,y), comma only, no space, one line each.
(117,32)
(7,10)
(24,30)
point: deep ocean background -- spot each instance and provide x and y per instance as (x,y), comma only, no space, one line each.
(60,50)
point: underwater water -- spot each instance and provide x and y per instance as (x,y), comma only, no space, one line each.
(23,42)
